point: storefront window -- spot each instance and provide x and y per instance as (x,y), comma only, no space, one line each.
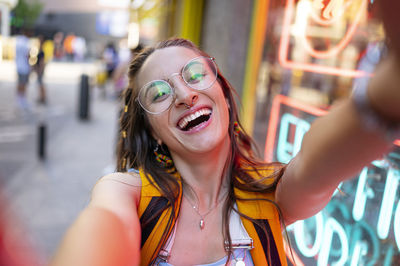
(315,51)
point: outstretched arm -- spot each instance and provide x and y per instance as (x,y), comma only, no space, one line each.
(107,232)
(339,144)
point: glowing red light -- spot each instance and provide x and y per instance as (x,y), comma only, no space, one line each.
(285,39)
(275,116)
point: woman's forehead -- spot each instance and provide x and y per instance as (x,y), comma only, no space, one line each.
(163,62)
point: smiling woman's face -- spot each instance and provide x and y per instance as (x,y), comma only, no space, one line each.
(198,129)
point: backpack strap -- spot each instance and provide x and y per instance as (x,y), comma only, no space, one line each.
(155,206)
(268,244)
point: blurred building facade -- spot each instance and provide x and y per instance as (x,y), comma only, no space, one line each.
(98,22)
(101,21)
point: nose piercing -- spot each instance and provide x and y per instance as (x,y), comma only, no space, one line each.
(188,106)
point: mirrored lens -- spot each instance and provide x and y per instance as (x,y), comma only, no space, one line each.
(200,73)
(156,96)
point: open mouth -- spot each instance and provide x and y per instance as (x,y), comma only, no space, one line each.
(195,119)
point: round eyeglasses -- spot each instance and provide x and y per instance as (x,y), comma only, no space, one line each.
(157,96)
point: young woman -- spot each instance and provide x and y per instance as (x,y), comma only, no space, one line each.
(196,194)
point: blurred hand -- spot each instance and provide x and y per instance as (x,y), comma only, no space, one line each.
(384,91)
(389,13)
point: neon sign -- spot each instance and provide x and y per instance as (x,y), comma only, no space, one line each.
(360,228)
(332,10)
(324,19)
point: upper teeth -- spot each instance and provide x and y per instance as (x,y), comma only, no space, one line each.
(183,123)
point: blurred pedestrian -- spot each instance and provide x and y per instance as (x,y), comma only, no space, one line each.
(120,75)
(110,57)
(68,45)
(58,45)
(22,49)
(39,68)
(79,47)
(48,49)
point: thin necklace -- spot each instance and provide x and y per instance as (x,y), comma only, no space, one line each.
(202,216)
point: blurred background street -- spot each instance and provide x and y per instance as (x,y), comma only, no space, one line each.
(47,195)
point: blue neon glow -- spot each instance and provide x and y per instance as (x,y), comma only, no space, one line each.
(337,190)
(359,243)
(388,257)
(303,244)
(285,150)
(385,215)
(397,226)
(361,196)
(360,232)
(380,164)
(332,226)
(360,250)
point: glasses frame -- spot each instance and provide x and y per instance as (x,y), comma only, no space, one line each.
(212,59)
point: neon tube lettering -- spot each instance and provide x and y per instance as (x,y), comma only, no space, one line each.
(332,226)
(362,193)
(385,214)
(359,243)
(333,9)
(286,150)
(360,232)
(388,257)
(397,226)
(360,250)
(302,243)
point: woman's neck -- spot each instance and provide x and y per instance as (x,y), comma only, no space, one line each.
(203,174)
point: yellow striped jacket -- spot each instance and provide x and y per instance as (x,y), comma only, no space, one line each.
(152,241)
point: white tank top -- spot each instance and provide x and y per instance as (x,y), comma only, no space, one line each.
(241,242)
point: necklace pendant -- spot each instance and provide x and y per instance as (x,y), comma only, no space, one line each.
(240,263)
(201,224)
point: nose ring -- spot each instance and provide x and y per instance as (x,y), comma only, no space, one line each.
(188,106)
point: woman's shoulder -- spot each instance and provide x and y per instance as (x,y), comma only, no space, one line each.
(123,178)
(117,189)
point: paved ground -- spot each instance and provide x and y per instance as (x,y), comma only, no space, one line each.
(46,196)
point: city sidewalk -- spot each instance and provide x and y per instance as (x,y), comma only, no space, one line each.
(47,196)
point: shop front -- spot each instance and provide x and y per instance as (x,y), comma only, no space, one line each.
(311,54)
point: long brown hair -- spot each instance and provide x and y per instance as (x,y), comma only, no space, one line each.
(136,145)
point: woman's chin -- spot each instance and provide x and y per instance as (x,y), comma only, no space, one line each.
(207,144)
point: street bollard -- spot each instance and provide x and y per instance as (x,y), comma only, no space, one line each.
(84,98)
(42,141)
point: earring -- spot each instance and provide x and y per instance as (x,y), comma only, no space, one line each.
(236,128)
(164,160)
(123,163)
